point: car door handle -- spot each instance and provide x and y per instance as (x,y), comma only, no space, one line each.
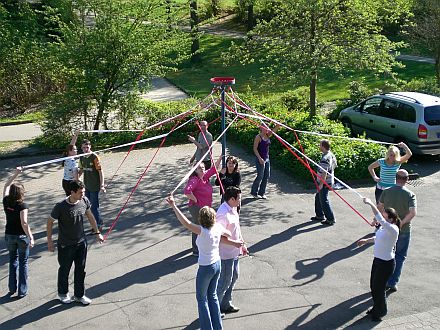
(393,126)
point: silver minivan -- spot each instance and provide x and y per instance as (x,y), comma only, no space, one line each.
(410,117)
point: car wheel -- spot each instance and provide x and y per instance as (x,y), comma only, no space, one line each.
(347,124)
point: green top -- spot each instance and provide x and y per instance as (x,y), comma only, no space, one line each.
(401,199)
(91,167)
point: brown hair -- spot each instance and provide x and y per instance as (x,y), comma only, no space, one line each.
(235,161)
(207,217)
(392,214)
(325,144)
(16,193)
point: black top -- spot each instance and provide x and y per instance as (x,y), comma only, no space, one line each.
(13,221)
(229,179)
(70,221)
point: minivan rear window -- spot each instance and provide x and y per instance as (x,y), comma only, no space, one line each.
(432,115)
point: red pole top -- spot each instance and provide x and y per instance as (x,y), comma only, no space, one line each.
(222,81)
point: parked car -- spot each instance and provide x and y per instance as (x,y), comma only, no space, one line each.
(413,118)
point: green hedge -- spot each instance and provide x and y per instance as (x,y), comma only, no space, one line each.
(353,157)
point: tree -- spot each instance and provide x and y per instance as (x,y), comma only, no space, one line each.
(305,37)
(194,26)
(426,31)
(110,53)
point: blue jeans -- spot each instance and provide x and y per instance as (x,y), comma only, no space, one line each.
(206,294)
(228,277)
(18,247)
(93,197)
(66,256)
(402,246)
(263,174)
(322,205)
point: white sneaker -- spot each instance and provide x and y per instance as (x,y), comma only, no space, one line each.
(263,196)
(65,298)
(83,300)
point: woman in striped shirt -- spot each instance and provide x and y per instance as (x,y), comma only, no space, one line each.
(388,168)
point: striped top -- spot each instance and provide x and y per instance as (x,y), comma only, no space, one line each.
(387,174)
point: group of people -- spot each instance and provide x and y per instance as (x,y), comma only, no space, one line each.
(217,240)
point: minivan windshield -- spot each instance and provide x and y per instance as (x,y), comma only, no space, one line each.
(432,115)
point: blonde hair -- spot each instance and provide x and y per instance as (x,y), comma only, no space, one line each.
(207,217)
(396,153)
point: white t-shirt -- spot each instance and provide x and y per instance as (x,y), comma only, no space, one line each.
(70,167)
(228,217)
(208,244)
(386,238)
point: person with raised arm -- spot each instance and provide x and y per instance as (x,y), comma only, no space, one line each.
(202,145)
(384,257)
(70,165)
(208,234)
(262,162)
(18,235)
(198,190)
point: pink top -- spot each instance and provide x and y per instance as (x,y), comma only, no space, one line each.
(201,189)
(228,218)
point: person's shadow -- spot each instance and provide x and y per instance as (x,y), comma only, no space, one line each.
(284,236)
(336,316)
(316,266)
(145,274)
(47,309)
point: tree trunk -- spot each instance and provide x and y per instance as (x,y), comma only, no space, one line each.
(313,80)
(437,68)
(194,22)
(250,17)
(101,108)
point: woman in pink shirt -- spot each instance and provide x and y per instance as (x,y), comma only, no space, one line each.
(199,192)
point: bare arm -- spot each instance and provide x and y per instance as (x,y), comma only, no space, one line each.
(191,197)
(408,152)
(74,138)
(193,140)
(371,168)
(257,141)
(407,219)
(274,130)
(101,179)
(25,225)
(49,226)
(8,183)
(182,218)
(365,241)
(94,225)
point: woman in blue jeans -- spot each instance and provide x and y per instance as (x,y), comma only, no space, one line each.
(18,235)
(262,162)
(208,239)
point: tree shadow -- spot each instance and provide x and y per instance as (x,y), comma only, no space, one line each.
(145,274)
(316,266)
(335,317)
(284,236)
(47,309)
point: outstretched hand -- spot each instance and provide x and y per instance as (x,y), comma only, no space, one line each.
(367,201)
(170,200)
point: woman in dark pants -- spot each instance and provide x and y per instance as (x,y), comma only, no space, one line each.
(384,262)
(230,175)
(18,235)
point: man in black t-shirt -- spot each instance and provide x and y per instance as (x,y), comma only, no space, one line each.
(72,243)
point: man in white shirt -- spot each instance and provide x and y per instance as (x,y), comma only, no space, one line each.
(227,216)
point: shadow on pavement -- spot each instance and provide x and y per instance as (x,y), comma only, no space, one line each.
(145,274)
(336,316)
(28,317)
(316,266)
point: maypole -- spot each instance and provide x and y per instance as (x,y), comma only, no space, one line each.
(221,83)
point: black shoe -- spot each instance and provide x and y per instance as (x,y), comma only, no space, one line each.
(222,315)
(317,219)
(391,289)
(230,309)
(375,318)
(328,222)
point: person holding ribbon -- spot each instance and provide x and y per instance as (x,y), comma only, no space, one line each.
(18,235)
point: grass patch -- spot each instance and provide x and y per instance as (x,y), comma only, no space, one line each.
(31,116)
(194,78)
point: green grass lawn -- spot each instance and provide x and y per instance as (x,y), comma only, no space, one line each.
(194,79)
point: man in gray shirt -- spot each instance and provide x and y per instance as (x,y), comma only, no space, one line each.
(72,243)
(202,145)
